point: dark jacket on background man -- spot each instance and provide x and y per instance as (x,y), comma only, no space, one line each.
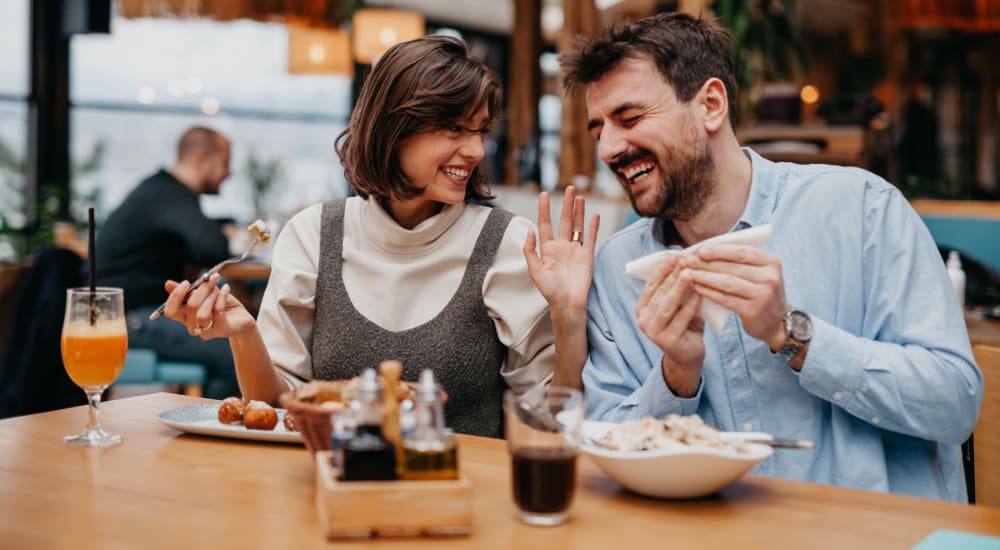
(159,232)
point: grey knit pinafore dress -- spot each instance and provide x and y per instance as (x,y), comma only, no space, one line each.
(460,344)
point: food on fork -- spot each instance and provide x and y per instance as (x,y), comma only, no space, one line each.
(258,415)
(260,228)
(231,410)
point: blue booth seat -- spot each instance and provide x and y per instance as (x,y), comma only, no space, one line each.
(978,238)
(143,367)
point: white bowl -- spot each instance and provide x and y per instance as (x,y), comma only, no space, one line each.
(685,472)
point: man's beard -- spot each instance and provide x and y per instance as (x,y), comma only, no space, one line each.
(684,189)
(208,187)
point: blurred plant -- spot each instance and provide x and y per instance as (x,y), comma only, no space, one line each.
(767,48)
(263,174)
(17,237)
(767,45)
(12,203)
(914,186)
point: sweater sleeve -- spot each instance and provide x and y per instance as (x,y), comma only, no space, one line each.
(285,320)
(519,312)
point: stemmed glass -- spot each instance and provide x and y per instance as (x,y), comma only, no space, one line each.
(94,344)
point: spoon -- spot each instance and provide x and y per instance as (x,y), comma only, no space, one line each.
(537,417)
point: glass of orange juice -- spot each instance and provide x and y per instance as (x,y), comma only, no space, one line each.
(94,344)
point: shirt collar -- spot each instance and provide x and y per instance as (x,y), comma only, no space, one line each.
(763,191)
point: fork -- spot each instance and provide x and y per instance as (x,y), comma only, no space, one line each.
(204,277)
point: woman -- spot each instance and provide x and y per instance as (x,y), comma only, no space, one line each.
(413,268)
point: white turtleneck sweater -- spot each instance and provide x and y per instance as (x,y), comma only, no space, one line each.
(400,278)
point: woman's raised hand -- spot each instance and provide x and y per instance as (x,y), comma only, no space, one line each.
(562,262)
(209,312)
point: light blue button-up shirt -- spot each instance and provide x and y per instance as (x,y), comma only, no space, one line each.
(888,390)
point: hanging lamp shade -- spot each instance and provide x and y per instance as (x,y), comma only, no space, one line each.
(377,30)
(319,50)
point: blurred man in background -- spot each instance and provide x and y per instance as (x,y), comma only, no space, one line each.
(159,232)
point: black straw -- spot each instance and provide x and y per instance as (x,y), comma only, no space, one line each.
(92,253)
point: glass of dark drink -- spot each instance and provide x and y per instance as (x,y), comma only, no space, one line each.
(543,434)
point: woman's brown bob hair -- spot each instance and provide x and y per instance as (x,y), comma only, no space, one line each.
(422,85)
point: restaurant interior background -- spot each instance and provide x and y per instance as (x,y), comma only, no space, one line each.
(93,95)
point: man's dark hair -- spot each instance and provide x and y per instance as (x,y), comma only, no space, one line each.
(422,85)
(686,51)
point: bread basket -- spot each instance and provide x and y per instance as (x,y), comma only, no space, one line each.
(312,420)
(310,406)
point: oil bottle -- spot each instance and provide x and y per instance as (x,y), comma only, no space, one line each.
(368,456)
(429,450)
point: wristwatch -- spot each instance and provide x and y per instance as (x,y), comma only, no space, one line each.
(798,333)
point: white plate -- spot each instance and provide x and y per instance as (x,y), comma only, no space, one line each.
(203,419)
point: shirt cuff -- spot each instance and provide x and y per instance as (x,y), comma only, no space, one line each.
(834,365)
(654,398)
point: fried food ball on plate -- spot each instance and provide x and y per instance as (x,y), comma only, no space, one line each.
(231,410)
(258,415)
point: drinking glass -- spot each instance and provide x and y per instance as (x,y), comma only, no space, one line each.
(544,428)
(94,344)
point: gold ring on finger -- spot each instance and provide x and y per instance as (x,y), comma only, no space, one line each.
(199,330)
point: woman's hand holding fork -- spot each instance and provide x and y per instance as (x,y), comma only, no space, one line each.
(209,311)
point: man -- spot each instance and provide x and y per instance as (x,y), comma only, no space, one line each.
(844,329)
(158,233)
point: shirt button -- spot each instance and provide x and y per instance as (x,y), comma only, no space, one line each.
(748,427)
(735,364)
(876,420)
(837,396)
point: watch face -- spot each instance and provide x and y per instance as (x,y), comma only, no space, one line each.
(799,326)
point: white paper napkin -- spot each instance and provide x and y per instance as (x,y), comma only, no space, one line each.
(713,314)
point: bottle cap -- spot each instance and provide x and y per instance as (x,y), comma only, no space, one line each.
(427,388)
(369,388)
(954,260)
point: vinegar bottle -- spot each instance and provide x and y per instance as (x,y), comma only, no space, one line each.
(368,456)
(429,450)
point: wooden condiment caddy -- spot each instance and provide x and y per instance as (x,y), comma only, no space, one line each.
(365,509)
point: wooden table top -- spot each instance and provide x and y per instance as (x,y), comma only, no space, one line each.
(982,330)
(250,270)
(958,209)
(163,489)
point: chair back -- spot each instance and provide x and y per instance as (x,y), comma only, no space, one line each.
(987,433)
(33,378)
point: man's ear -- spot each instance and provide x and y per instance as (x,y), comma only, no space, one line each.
(715,101)
(201,158)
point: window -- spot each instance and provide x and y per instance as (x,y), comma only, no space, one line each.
(136,90)
(13,123)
